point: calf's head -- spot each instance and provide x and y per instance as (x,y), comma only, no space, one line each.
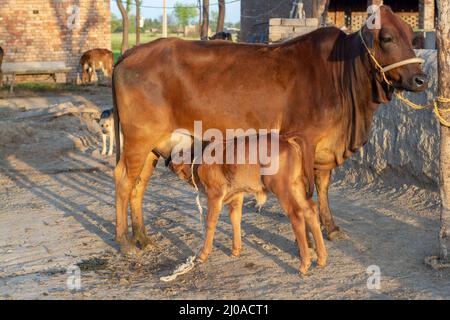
(393,43)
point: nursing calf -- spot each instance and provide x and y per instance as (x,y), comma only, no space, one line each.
(291,184)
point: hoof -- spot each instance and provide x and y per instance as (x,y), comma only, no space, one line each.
(129,249)
(321,262)
(203,257)
(145,242)
(337,234)
(304,268)
(236,253)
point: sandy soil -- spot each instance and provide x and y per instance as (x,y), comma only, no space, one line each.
(57,194)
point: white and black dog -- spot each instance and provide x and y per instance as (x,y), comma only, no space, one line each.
(106,123)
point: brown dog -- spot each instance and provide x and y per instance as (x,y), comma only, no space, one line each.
(96,59)
(227,184)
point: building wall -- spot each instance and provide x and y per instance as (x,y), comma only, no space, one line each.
(37,30)
(255,16)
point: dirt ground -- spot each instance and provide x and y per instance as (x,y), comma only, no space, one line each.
(57,210)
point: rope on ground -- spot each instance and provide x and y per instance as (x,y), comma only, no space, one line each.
(190,261)
(435,105)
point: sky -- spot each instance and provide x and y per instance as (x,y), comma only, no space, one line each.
(233,10)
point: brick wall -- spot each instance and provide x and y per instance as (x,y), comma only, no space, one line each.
(37,30)
(255,15)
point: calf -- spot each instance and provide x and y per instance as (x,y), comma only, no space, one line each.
(227,184)
(96,59)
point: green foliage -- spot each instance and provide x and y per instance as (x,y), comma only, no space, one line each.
(116,23)
(128,7)
(185,13)
(213,18)
(152,24)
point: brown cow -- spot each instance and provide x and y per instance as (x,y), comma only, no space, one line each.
(96,59)
(227,183)
(1,61)
(323,87)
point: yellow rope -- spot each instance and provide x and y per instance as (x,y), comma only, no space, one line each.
(435,105)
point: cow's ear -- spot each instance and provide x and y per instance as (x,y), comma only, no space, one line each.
(368,37)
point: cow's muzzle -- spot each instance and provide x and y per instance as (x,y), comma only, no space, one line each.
(416,83)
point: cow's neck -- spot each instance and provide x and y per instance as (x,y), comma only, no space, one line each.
(359,89)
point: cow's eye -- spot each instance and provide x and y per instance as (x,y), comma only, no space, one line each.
(386,38)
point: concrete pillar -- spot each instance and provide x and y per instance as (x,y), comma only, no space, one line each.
(426,14)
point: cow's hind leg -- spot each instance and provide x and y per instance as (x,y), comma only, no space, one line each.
(126,175)
(137,220)
(123,189)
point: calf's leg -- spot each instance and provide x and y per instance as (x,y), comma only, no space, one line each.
(212,217)
(292,198)
(313,224)
(235,207)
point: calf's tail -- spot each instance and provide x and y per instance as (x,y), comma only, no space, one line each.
(307,152)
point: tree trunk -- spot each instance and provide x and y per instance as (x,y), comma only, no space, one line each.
(443,42)
(205,23)
(125,24)
(164,18)
(200,17)
(221,18)
(138,22)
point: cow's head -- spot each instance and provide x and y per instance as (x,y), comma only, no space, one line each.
(392,43)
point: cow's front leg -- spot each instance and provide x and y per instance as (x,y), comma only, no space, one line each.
(322,179)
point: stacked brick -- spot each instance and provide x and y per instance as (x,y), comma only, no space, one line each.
(281,29)
(53,30)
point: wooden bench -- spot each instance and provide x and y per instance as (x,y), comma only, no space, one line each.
(57,69)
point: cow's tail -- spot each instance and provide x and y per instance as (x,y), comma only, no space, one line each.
(116,120)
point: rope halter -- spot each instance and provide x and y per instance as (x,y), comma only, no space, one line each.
(435,104)
(382,70)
